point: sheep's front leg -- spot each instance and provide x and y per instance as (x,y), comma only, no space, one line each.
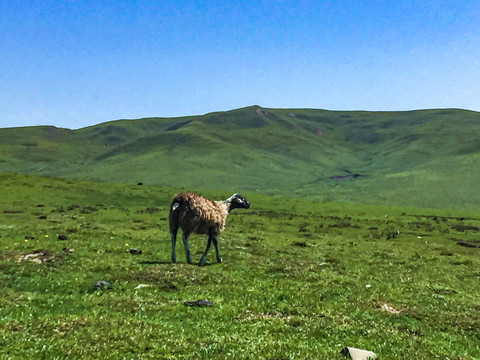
(187,247)
(209,243)
(174,243)
(219,258)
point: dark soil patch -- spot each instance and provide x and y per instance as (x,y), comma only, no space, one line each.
(149,210)
(343,225)
(444,291)
(463,227)
(88,209)
(415,225)
(344,177)
(467,243)
(300,244)
(198,303)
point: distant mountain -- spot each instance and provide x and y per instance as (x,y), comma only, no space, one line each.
(427,158)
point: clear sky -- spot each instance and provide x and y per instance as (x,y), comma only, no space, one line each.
(78,63)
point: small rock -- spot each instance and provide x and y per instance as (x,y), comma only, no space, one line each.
(135,251)
(102,285)
(300,244)
(198,303)
(390,309)
(393,235)
(67,250)
(357,354)
(62,237)
(142,286)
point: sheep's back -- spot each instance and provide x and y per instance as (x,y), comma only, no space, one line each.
(199,214)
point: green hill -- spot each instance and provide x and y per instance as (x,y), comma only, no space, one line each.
(426,158)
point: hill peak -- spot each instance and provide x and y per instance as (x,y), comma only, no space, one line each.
(428,158)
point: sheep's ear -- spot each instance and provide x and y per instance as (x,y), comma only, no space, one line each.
(230,199)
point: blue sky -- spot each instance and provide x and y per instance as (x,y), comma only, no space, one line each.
(77,63)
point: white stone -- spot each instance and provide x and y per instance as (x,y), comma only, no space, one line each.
(142,286)
(358,354)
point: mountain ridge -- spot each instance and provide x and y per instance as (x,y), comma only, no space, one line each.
(426,158)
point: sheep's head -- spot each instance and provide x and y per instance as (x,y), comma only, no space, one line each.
(237,201)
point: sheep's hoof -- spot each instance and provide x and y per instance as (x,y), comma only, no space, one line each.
(220,260)
(174,260)
(201,263)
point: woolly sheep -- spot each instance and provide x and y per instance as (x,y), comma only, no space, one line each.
(196,214)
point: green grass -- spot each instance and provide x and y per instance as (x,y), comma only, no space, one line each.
(301,279)
(427,158)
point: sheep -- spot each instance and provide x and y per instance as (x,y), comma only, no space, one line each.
(196,214)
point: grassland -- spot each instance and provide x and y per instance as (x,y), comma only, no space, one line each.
(428,158)
(301,279)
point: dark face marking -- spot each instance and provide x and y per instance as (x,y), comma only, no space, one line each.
(237,201)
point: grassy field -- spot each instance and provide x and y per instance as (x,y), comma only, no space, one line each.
(301,279)
(428,158)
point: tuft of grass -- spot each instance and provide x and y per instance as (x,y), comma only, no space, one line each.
(301,279)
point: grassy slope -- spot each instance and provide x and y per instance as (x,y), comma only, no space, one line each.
(273,299)
(424,158)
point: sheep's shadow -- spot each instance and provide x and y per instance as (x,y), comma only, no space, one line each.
(208,264)
(154,262)
(160,262)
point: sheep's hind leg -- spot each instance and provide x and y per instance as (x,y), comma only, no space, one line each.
(174,243)
(209,243)
(187,248)
(219,258)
